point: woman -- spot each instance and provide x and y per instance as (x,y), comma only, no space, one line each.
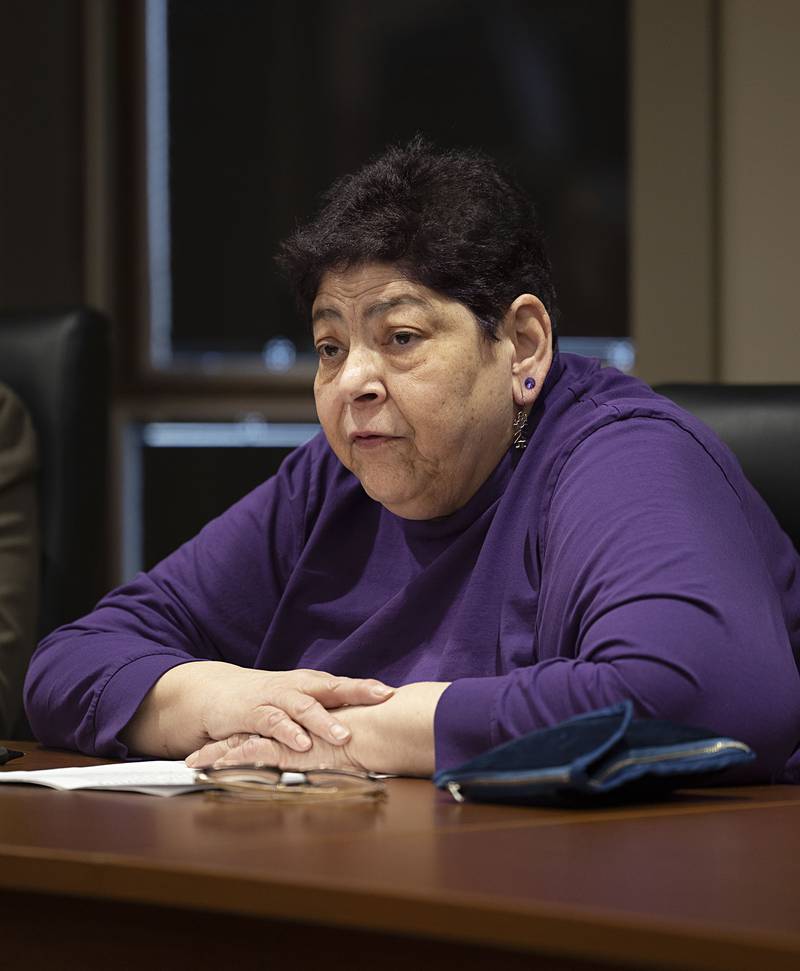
(498,589)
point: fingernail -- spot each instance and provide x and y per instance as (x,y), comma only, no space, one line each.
(340,733)
(302,741)
(381,691)
(191,759)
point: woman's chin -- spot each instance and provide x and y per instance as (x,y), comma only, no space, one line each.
(407,503)
(386,493)
(397,497)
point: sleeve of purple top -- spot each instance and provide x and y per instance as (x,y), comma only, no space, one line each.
(87,679)
(654,589)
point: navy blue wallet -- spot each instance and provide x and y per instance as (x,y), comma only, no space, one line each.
(601,757)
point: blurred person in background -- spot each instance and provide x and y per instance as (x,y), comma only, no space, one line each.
(19,554)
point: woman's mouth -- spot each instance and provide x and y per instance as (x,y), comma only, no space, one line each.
(369,441)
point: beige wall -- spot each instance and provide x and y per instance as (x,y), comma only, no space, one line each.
(672,183)
(715,137)
(760,197)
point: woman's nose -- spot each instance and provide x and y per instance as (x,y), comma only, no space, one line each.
(361,377)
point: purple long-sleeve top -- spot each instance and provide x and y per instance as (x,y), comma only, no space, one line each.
(622,555)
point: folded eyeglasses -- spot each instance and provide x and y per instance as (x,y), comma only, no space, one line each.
(268,782)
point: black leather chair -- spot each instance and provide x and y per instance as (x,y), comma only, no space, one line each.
(761,425)
(58,364)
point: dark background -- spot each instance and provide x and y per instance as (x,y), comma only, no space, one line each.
(269,102)
(211,480)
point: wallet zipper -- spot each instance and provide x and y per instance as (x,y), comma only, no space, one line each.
(454,788)
(685,753)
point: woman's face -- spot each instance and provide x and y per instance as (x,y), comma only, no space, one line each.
(413,399)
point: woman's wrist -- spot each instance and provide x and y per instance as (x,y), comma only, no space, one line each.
(170,720)
(397,736)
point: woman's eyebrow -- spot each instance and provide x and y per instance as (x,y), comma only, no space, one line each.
(374,309)
(325,313)
(401,300)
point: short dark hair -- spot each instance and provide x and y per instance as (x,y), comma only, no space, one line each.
(450,220)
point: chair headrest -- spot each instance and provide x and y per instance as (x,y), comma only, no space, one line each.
(761,426)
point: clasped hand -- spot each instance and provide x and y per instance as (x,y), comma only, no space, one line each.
(284,718)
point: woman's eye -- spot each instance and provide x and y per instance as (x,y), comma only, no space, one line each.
(403,337)
(327,351)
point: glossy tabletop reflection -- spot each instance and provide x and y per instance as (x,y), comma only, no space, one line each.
(707,880)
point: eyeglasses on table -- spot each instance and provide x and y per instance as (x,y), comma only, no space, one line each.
(270,783)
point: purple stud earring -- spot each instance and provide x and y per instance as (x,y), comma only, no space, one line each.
(530,384)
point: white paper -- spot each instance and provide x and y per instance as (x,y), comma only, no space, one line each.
(162,778)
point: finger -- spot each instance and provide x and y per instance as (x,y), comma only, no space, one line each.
(314,717)
(276,721)
(254,750)
(334,692)
(212,751)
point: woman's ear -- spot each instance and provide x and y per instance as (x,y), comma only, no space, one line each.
(527,325)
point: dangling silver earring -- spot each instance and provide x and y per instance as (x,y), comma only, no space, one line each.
(519,441)
(518,428)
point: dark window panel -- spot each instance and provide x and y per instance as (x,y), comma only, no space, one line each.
(270,101)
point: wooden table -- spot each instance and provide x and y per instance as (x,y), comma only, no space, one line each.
(710,880)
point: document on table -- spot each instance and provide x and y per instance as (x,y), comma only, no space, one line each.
(161,778)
